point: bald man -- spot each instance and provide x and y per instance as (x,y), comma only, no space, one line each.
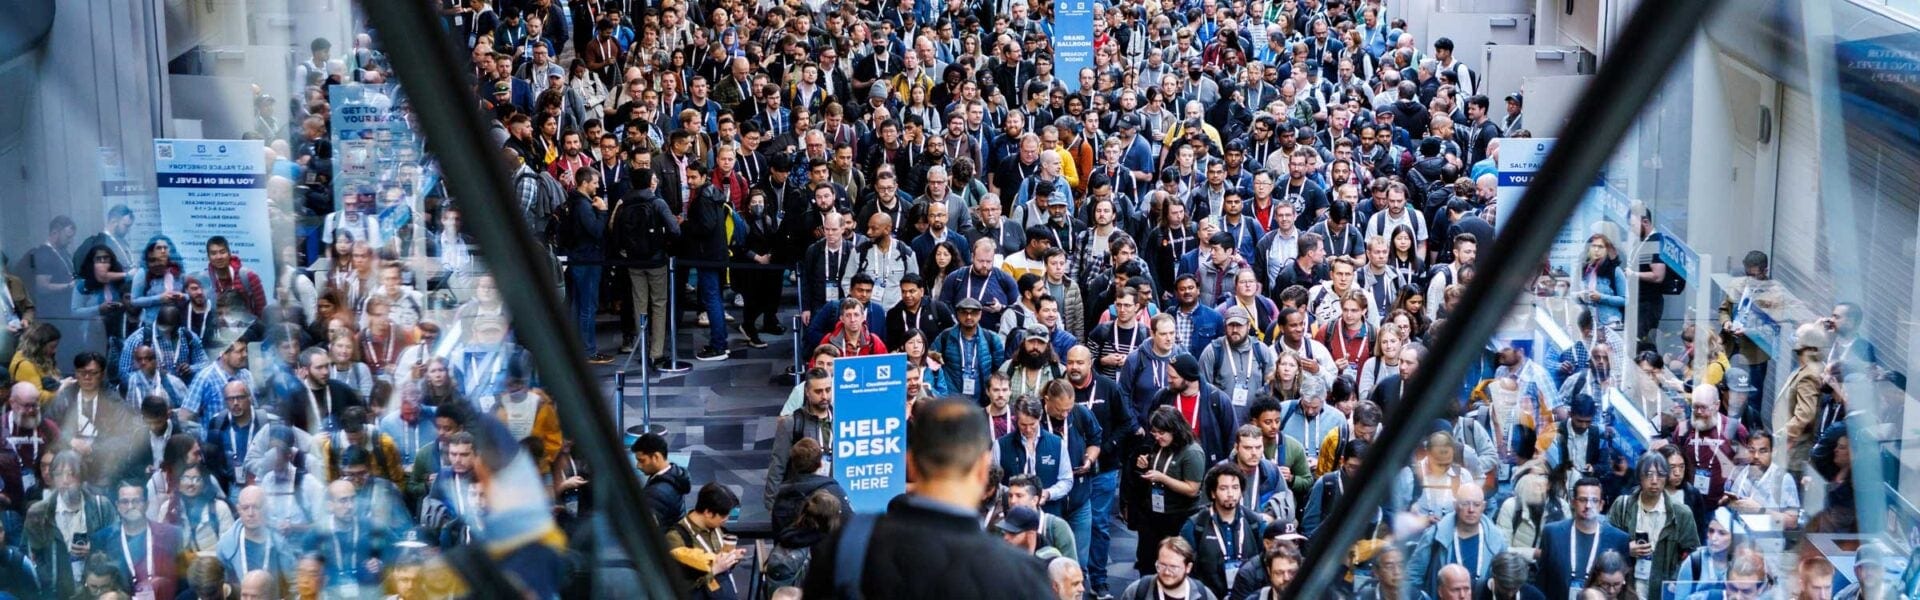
(252,546)
(258,585)
(1463,539)
(1068,582)
(28,434)
(350,540)
(1455,583)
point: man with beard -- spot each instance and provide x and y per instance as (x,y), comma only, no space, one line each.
(224,273)
(1308,198)
(1709,439)
(1196,323)
(992,288)
(1171,569)
(1144,373)
(1099,394)
(1202,406)
(172,353)
(1236,363)
(27,435)
(1112,342)
(1223,536)
(940,203)
(1034,364)
(1266,491)
(1577,443)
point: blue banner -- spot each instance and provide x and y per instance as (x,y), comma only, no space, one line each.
(1073,40)
(870,429)
(215,187)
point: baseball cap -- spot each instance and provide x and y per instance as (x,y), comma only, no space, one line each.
(1516,98)
(1056,200)
(1740,380)
(1237,313)
(1126,122)
(1036,330)
(502,87)
(1019,519)
(1284,528)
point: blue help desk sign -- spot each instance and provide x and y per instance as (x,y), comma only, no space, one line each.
(870,429)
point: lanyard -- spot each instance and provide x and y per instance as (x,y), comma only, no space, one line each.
(340,556)
(1236,371)
(1313,432)
(1162,466)
(1479,558)
(90,410)
(1066,427)
(233,446)
(1133,339)
(124,549)
(982,294)
(1592,551)
(968,360)
(836,268)
(266,553)
(1239,541)
(1159,374)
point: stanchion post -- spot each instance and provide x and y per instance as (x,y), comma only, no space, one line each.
(799,356)
(620,398)
(673,362)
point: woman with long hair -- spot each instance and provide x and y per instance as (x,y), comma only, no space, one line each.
(439,386)
(1602,284)
(203,515)
(335,266)
(96,297)
(915,345)
(1385,361)
(1285,384)
(1413,299)
(158,279)
(34,360)
(1404,255)
(920,104)
(181,450)
(1168,485)
(944,259)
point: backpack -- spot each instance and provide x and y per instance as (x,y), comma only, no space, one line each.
(562,231)
(539,212)
(1673,284)
(640,233)
(785,567)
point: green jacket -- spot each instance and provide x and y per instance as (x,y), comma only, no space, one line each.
(1295,459)
(1678,539)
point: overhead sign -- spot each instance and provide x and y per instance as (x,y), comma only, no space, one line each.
(215,187)
(870,429)
(379,162)
(1073,40)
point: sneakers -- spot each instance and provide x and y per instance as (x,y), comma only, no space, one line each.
(626,345)
(703,320)
(711,353)
(600,358)
(773,329)
(739,301)
(729,317)
(753,341)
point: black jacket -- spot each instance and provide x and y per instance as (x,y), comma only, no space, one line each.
(704,235)
(666,495)
(926,553)
(791,500)
(934,318)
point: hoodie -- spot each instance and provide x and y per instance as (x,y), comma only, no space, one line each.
(791,500)
(240,279)
(666,493)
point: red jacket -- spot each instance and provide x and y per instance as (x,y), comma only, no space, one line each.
(237,278)
(872,346)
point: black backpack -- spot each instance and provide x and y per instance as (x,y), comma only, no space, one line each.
(562,229)
(541,211)
(639,231)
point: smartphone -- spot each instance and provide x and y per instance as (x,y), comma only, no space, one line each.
(1640,536)
(79,538)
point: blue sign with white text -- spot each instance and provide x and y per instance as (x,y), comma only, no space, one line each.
(870,429)
(1073,40)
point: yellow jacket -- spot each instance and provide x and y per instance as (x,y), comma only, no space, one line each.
(24,370)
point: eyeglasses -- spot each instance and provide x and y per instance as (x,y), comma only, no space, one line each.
(130,501)
(1588,500)
(1167,568)
(1470,504)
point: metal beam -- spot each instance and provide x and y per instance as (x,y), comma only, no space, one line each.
(1653,41)
(438,88)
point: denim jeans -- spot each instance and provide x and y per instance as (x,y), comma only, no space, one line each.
(709,284)
(1106,489)
(583,295)
(1080,519)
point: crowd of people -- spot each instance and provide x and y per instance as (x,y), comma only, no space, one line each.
(1173,291)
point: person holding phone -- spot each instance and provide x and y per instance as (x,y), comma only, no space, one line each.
(1663,529)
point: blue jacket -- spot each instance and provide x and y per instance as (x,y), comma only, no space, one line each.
(923,244)
(982,356)
(997,285)
(1435,549)
(1141,378)
(1207,325)
(1053,466)
(1613,295)
(1554,572)
(1081,428)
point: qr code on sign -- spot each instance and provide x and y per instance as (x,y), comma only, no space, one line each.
(163,152)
